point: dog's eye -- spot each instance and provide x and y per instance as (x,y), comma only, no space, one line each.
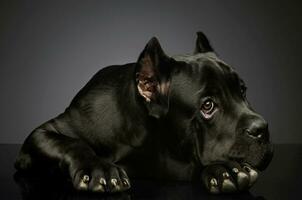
(207,109)
(207,106)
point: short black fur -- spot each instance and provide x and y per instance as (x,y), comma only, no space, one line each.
(146,120)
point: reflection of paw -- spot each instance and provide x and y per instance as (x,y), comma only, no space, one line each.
(228,177)
(101,178)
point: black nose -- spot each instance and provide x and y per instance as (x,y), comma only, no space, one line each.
(257,129)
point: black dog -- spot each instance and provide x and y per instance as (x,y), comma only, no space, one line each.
(172,118)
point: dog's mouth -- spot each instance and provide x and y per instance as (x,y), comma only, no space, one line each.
(257,157)
(262,157)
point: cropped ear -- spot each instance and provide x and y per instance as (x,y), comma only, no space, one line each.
(202,44)
(153,78)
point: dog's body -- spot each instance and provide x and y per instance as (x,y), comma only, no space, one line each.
(176,118)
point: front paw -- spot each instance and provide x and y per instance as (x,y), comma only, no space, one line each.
(100,177)
(228,177)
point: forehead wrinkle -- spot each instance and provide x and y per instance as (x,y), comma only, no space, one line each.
(233,82)
(203,66)
(198,92)
(197,60)
(208,64)
(232,75)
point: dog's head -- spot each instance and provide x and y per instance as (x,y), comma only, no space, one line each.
(201,102)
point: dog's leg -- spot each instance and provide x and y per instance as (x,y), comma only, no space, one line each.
(87,171)
(228,177)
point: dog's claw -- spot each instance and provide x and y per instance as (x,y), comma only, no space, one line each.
(115,185)
(102,181)
(213,182)
(229,177)
(83,185)
(126,182)
(114,182)
(235,170)
(225,175)
(85,178)
(214,186)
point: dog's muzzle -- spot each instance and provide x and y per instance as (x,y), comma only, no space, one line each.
(253,144)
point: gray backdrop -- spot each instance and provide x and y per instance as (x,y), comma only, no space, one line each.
(50,49)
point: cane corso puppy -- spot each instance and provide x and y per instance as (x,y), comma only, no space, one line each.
(166,118)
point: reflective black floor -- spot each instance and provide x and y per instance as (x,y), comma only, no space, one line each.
(282,180)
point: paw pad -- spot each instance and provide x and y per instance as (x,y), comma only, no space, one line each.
(228,186)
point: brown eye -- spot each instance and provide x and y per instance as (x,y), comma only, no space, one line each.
(207,106)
